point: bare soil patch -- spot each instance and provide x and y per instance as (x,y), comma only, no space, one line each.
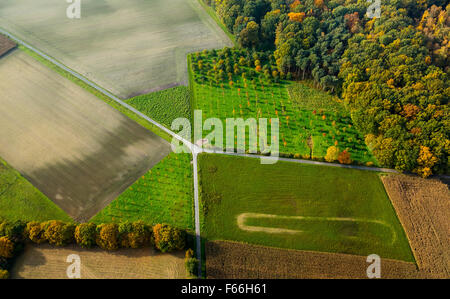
(423,207)
(46,262)
(76,149)
(232,260)
(6,45)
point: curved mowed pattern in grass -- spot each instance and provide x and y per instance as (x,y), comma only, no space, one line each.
(232,186)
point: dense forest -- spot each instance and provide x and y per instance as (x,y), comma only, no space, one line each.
(392,72)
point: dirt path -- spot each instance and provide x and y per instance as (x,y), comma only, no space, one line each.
(423,207)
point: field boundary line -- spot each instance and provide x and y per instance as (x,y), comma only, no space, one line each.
(301,161)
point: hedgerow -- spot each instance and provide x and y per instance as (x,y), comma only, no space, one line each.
(108,236)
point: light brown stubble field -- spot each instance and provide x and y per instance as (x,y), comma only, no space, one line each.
(76,149)
(423,207)
(127,47)
(46,262)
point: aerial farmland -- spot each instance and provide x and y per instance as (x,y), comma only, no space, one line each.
(76,149)
(127,47)
(117,160)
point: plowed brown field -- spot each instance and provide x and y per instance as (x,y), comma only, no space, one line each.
(5,45)
(237,260)
(423,207)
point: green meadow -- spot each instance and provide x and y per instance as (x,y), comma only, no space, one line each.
(298,206)
(163,195)
(20,200)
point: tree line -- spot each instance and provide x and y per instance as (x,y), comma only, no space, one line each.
(108,236)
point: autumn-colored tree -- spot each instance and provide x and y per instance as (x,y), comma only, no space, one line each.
(344,157)
(332,154)
(59,233)
(426,162)
(353,22)
(435,24)
(6,247)
(297,16)
(319,3)
(294,4)
(168,238)
(134,235)
(35,232)
(108,236)
(410,111)
(4,274)
(85,235)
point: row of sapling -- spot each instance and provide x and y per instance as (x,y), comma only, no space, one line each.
(224,64)
(254,96)
(108,236)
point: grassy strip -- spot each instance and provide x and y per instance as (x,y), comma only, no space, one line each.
(163,195)
(192,93)
(213,15)
(164,106)
(20,200)
(99,95)
(309,98)
(232,186)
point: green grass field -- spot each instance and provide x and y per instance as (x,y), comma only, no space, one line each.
(305,207)
(19,200)
(164,106)
(163,195)
(310,120)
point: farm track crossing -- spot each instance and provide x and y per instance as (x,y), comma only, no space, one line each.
(195,150)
